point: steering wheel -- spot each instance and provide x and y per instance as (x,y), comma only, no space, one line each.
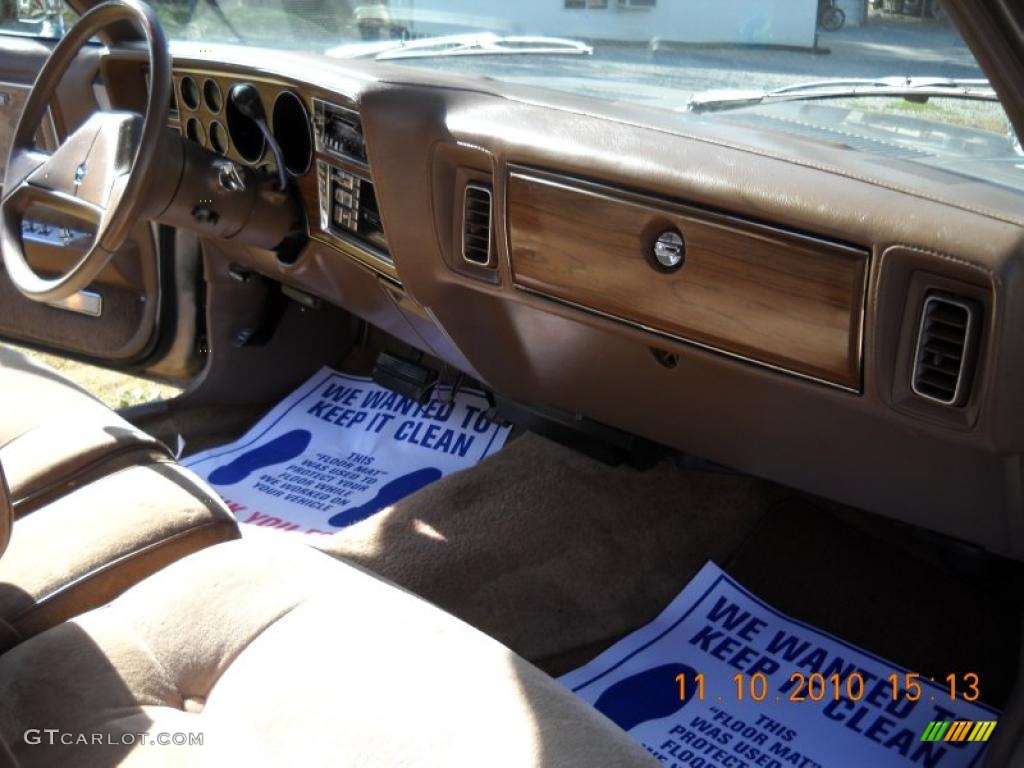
(100,174)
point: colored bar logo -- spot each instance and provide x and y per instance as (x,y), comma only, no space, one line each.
(958,730)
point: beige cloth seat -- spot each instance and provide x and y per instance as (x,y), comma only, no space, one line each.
(270,653)
(54,435)
(86,547)
(276,654)
(98,504)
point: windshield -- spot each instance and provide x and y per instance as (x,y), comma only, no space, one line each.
(889,77)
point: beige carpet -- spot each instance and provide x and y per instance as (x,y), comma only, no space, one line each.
(555,554)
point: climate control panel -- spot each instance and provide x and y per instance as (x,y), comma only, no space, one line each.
(348,208)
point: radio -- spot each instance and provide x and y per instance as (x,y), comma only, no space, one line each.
(338,131)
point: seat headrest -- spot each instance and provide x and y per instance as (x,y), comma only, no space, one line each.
(6,512)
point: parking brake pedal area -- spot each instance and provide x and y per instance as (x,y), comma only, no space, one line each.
(341,448)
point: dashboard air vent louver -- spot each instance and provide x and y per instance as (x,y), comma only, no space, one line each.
(476,225)
(944,361)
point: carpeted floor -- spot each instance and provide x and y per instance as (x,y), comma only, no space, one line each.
(558,556)
(553,553)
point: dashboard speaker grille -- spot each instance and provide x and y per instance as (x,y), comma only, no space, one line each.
(476,225)
(943,364)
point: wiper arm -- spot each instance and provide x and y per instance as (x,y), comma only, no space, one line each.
(480,44)
(916,89)
(222,17)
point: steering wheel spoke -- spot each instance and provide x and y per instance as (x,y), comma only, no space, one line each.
(26,195)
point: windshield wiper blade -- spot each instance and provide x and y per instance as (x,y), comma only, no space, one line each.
(911,88)
(222,18)
(480,44)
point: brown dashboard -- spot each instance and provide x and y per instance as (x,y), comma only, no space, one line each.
(330,173)
(784,329)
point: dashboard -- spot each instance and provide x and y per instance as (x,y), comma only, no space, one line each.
(322,149)
(794,310)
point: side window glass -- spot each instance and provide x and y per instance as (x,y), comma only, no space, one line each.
(35,18)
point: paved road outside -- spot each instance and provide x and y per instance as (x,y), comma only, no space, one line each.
(886,45)
(668,74)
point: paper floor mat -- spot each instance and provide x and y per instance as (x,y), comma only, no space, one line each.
(722,680)
(341,448)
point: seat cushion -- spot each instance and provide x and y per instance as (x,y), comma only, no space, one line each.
(54,435)
(276,654)
(89,545)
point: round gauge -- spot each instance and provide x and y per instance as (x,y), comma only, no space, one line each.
(189,92)
(292,130)
(219,138)
(212,95)
(244,132)
(194,131)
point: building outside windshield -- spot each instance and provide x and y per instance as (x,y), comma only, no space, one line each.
(891,78)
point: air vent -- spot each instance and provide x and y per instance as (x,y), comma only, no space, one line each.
(476,225)
(943,365)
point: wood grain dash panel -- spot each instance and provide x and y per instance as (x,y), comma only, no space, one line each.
(309,195)
(770,296)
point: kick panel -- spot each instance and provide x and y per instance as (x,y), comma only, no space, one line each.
(767,295)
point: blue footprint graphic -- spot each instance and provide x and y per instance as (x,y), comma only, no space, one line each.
(287,446)
(388,494)
(648,695)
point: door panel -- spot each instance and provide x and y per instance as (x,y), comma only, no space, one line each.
(120,320)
